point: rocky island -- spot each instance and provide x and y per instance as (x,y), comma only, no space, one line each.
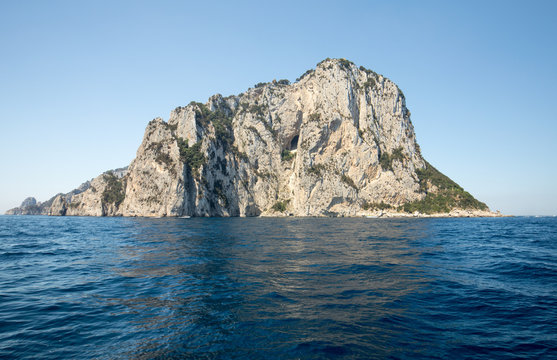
(337,142)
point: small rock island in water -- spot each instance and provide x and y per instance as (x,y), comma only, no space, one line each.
(337,142)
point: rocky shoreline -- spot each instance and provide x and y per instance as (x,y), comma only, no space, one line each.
(386,214)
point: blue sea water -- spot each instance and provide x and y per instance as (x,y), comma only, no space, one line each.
(260,288)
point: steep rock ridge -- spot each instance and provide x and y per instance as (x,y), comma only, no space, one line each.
(73,203)
(338,142)
(29,206)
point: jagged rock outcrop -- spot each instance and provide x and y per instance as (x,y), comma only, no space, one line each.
(337,142)
(72,203)
(29,206)
(30,201)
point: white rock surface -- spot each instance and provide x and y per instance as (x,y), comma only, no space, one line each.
(337,122)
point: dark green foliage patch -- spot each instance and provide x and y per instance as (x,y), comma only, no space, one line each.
(448,195)
(345,63)
(280,206)
(315,117)
(258,109)
(316,169)
(370,83)
(191,155)
(164,158)
(223,128)
(114,192)
(386,160)
(348,181)
(202,113)
(309,72)
(287,155)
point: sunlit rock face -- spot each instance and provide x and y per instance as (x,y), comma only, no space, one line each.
(337,142)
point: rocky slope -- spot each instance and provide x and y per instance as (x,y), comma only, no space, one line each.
(337,142)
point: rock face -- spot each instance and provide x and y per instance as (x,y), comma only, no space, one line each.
(30,201)
(60,204)
(338,142)
(29,206)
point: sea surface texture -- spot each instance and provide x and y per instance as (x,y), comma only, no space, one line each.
(288,288)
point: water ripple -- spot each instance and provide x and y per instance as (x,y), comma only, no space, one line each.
(278,288)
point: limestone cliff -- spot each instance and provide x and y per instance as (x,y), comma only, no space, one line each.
(337,142)
(67,204)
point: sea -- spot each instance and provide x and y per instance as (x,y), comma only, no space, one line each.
(278,288)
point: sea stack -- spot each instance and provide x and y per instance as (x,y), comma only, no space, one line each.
(337,142)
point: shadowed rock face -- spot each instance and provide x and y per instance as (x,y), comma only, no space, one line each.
(30,201)
(337,142)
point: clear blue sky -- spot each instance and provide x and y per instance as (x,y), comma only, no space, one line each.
(80,80)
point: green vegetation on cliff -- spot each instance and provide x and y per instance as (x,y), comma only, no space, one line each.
(114,192)
(222,123)
(386,159)
(442,194)
(280,206)
(317,169)
(348,181)
(191,155)
(287,155)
